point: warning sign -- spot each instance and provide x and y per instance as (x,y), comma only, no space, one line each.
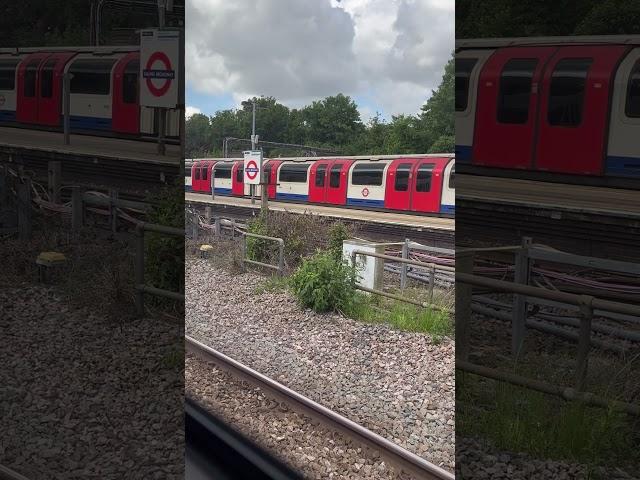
(252,167)
(159,68)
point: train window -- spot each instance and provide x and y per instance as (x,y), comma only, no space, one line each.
(240,174)
(515,90)
(402,177)
(91,77)
(464,67)
(8,74)
(452,176)
(334,176)
(368,174)
(223,171)
(566,95)
(633,93)
(130,82)
(205,172)
(46,79)
(294,172)
(197,173)
(30,79)
(267,174)
(187,172)
(423,178)
(320,174)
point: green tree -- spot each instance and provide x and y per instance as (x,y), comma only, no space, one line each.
(437,117)
(333,121)
(198,141)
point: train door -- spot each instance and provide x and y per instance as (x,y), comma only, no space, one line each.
(399,178)
(195,176)
(27,101)
(318,181)
(222,180)
(125,109)
(337,182)
(271,174)
(49,88)
(237,179)
(426,186)
(506,116)
(205,176)
(574,111)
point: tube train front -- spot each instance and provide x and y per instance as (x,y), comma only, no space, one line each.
(422,184)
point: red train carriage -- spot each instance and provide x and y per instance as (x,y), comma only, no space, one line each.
(415,183)
(564,105)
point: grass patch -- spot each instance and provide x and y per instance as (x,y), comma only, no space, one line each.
(401,315)
(273,284)
(518,419)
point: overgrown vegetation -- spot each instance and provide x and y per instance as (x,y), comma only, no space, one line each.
(401,315)
(324,283)
(519,419)
(164,256)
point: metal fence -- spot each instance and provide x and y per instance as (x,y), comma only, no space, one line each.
(404,261)
(279,267)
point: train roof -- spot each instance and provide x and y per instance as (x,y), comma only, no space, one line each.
(558,40)
(101,50)
(335,157)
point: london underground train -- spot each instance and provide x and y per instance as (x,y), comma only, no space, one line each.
(422,184)
(104,91)
(560,107)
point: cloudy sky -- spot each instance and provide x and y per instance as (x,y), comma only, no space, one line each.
(386,54)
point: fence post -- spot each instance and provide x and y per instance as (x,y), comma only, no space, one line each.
(281,258)
(217,226)
(243,249)
(404,267)
(76,208)
(464,292)
(54,172)
(233,228)
(584,341)
(24,208)
(113,210)
(432,284)
(194,226)
(521,276)
(139,269)
(4,184)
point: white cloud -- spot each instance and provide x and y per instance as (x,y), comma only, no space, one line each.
(390,51)
(190,111)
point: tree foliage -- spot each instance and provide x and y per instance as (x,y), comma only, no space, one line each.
(333,122)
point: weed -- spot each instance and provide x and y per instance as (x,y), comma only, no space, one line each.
(273,284)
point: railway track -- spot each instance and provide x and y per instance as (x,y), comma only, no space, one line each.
(393,453)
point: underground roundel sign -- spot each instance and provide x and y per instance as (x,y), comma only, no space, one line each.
(159,66)
(252,163)
(365,192)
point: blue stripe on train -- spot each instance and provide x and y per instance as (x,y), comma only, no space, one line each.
(366,203)
(623,166)
(447,209)
(89,123)
(222,191)
(463,153)
(292,196)
(7,116)
(187,188)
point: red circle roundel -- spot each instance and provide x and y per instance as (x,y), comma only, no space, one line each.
(252,169)
(164,60)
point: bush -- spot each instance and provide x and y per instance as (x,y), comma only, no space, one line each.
(323,283)
(338,233)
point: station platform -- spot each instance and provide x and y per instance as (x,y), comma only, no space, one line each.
(370,216)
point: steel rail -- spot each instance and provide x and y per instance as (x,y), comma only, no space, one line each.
(8,474)
(396,455)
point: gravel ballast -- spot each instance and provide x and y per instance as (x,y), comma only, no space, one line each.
(397,384)
(84,397)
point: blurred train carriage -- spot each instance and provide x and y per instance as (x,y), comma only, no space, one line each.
(408,183)
(560,107)
(104,96)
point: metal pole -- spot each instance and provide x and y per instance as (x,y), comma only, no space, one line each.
(213,183)
(464,292)
(139,269)
(584,341)
(521,276)
(24,208)
(162,120)
(76,208)
(404,267)
(54,170)
(252,188)
(66,105)
(281,258)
